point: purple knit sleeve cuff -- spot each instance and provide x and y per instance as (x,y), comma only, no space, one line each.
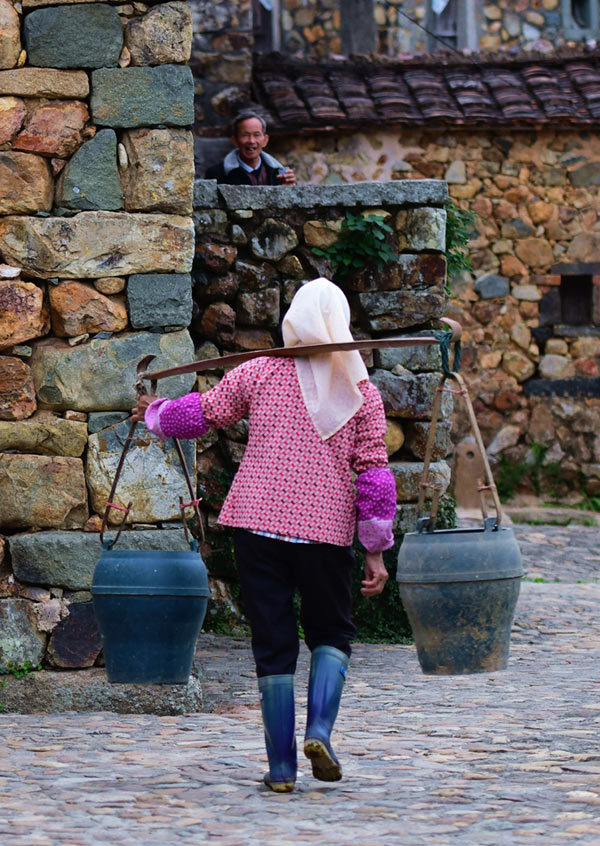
(180,418)
(376,507)
(152,418)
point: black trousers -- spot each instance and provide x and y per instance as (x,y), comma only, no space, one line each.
(270,570)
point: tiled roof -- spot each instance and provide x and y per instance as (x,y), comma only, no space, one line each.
(301,94)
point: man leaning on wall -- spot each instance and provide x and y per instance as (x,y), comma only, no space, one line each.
(248,164)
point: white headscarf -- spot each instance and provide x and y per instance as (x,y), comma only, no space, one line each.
(320,314)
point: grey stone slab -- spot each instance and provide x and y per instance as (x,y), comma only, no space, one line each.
(98,420)
(588,174)
(410,395)
(77,36)
(492,285)
(390,310)
(68,559)
(100,375)
(412,192)
(89,690)
(145,96)
(414,358)
(206,194)
(20,639)
(90,180)
(157,299)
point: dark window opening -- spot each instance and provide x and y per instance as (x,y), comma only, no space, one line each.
(582,13)
(576,300)
(444,23)
(262,27)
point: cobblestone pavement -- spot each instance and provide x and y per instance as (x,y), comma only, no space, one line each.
(505,758)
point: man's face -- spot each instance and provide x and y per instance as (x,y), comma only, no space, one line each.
(250,138)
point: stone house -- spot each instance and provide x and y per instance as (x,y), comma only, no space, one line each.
(515,135)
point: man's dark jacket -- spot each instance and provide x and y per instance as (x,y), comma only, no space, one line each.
(230,172)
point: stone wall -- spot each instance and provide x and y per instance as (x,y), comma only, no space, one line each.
(96,249)
(221,59)
(253,249)
(313,28)
(536,194)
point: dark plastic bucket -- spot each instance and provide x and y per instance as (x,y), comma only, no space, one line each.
(460,589)
(150,606)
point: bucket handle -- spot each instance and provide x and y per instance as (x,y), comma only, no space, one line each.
(141,388)
(428,523)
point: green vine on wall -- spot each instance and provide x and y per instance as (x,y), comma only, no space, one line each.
(361,243)
(459,228)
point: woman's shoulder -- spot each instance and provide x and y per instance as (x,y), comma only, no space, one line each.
(264,367)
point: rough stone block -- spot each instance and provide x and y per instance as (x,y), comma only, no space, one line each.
(22,312)
(218,322)
(41,491)
(10,35)
(98,420)
(44,435)
(129,97)
(53,129)
(162,35)
(518,365)
(388,310)
(273,240)
(417,432)
(90,181)
(93,244)
(491,286)
(160,171)
(556,367)
(45,82)
(410,395)
(12,114)
(322,233)
(78,309)
(89,690)
(415,358)
(419,271)
(100,375)
(26,184)
(20,639)
(394,436)
(587,174)
(406,519)
(159,300)
(217,257)
(258,308)
(408,475)
(79,36)
(253,277)
(68,559)
(152,478)
(418,192)
(211,222)
(17,391)
(76,641)
(205,193)
(421,229)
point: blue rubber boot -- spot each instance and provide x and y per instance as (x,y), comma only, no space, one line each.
(327,674)
(277,706)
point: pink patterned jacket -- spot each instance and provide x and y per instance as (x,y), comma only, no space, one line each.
(290,481)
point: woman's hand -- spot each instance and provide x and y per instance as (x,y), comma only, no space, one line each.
(137,413)
(376,574)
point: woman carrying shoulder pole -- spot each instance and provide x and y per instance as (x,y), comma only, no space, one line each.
(314,472)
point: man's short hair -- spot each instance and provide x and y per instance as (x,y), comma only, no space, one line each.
(242,116)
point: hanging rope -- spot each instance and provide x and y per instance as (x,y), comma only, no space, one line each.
(445,339)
